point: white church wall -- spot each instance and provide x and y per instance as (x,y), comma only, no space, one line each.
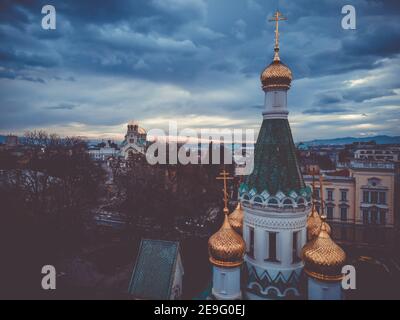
(323,290)
(226,283)
(275,102)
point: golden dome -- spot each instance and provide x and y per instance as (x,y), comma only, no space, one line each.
(276,76)
(226,248)
(314,223)
(323,258)
(236,219)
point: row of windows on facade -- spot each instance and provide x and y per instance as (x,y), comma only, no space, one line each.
(330,194)
(370,215)
(368,196)
(330,212)
(271,241)
(374,197)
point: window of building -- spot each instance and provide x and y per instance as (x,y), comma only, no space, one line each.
(382,198)
(343,195)
(295,243)
(330,195)
(251,242)
(366,196)
(374,197)
(343,213)
(272,237)
(329,213)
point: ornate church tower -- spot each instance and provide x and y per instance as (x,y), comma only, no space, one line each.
(275,200)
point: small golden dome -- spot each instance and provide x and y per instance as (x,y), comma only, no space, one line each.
(226,248)
(314,223)
(236,219)
(323,258)
(276,76)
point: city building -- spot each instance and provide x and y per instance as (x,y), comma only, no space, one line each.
(358,200)
(103,152)
(377,154)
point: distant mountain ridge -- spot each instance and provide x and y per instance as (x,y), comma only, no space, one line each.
(89,141)
(382,139)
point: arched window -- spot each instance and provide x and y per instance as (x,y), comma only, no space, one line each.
(288,204)
(301,203)
(273,202)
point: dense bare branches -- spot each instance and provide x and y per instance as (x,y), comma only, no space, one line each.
(53,176)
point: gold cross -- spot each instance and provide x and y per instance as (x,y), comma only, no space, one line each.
(277,17)
(225,176)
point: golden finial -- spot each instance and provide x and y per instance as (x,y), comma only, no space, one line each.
(313,186)
(277,17)
(224,175)
(321,187)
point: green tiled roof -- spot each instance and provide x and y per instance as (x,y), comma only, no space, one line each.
(153,273)
(275,164)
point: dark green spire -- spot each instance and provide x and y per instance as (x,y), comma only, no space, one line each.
(275,163)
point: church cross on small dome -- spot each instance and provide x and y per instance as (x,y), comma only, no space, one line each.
(277,17)
(224,175)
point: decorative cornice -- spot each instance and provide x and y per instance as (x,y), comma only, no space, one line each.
(272,221)
(275,115)
(300,199)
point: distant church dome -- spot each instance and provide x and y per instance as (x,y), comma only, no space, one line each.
(323,258)
(276,76)
(226,247)
(236,219)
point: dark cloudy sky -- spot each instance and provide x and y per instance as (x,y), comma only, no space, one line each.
(197,62)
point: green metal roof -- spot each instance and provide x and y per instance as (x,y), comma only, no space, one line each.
(275,163)
(155,266)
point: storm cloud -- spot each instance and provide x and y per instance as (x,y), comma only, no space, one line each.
(194,61)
